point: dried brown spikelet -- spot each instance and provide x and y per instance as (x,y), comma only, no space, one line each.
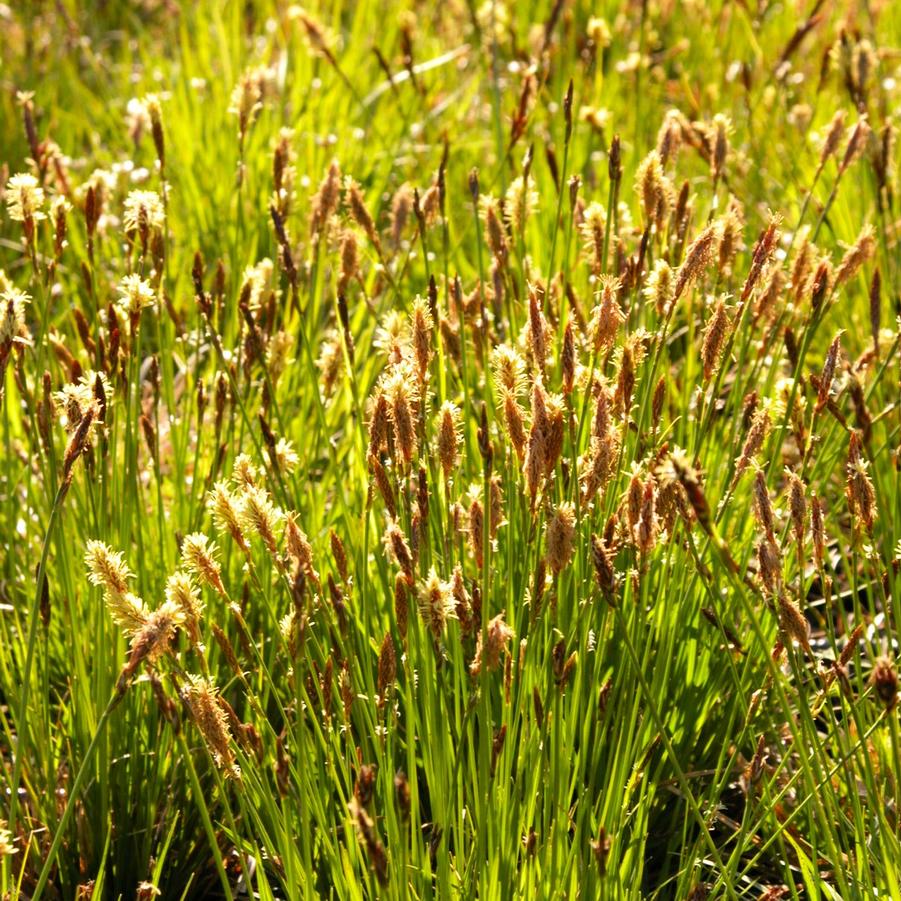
(821,284)
(476,530)
(760,427)
(858,254)
(763,507)
(859,489)
(797,506)
(401,604)
(648,525)
(225,511)
(199,554)
(397,546)
(497,637)
(560,537)
(183,594)
(436,604)
(602,559)
(508,368)
(299,548)
(202,700)
(387,668)
(697,258)
(817,529)
(568,359)
(884,680)
(826,379)
(715,336)
(607,316)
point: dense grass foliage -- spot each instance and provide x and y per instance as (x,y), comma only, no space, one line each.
(449,450)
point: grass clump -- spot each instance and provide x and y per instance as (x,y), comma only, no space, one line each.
(449,452)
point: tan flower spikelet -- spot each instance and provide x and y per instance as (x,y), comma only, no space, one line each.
(561,531)
(607,317)
(697,258)
(199,555)
(183,594)
(256,513)
(107,569)
(224,508)
(202,699)
(715,336)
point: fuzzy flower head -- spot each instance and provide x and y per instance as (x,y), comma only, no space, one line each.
(143,212)
(12,316)
(24,198)
(134,294)
(200,559)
